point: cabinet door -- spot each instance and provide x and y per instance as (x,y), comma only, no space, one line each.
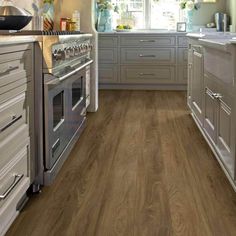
(225,131)
(197,84)
(189,88)
(210,107)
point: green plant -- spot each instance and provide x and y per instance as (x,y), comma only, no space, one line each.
(189,5)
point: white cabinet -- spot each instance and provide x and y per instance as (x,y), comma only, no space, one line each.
(197,82)
(210,114)
(211,98)
(218,121)
(16,83)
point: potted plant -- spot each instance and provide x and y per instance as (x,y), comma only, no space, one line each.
(189,6)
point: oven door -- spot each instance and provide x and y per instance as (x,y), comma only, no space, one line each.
(77,101)
(56,137)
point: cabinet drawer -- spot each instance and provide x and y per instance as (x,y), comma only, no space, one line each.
(182,41)
(108,74)
(182,56)
(182,74)
(107,42)
(9,210)
(15,66)
(13,175)
(148,74)
(152,55)
(16,89)
(14,142)
(13,114)
(108,55)
(150,41)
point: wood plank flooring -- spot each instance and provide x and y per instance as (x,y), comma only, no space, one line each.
(141,168)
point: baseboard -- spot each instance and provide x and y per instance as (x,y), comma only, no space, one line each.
(170,87)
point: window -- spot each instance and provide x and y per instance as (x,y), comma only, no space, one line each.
(148,14)
(131,12)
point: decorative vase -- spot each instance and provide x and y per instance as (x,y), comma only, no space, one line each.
(48,15)
(105,21)
(189,21)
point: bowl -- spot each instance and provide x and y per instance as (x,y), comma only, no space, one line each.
(14,22)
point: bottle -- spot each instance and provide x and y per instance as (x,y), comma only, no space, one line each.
(76,18)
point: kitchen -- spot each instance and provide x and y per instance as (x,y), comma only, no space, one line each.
(116,117)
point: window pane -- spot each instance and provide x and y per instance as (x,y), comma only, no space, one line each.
(131,12)
(164,14)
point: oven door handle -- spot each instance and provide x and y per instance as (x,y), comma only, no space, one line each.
(76,70)
(58,80)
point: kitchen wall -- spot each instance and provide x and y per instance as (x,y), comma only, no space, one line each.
(206,13)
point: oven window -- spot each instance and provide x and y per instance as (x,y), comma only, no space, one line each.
(58,108)
(77,93)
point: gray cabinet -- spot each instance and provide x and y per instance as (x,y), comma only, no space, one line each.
(108,73)
(108,56)
(147,41)
(142,61)
(159,56)
(147,74)
(108,59)
(197,82)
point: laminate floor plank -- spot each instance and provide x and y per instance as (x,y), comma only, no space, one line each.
(141,168)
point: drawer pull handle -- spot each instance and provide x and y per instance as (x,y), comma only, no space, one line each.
(147,41)
(144,74)
(8,69)
(141,55)
(218,96)
(14,119)
(83,112)
(17,179)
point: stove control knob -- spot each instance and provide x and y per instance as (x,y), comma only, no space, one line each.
(81,49)
(58,55)
(85,47)
(76,50)
(71,51)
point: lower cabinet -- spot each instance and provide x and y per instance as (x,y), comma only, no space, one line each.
(182,74)
(142,61)
(218,122)
(16,128)
(148,74)
(197,82)
(108,73)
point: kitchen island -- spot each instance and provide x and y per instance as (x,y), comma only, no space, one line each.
(212,94)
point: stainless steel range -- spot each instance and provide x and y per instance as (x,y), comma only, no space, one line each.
(66,60)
